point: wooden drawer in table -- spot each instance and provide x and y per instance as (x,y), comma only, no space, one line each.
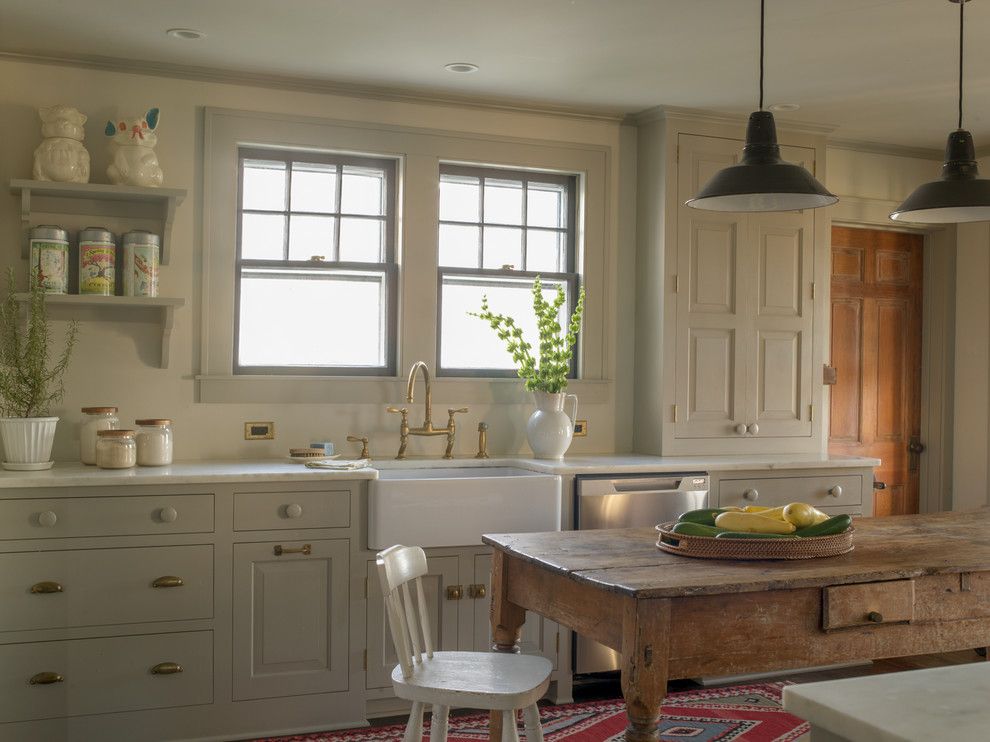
(61,517)
(94,676)
(263,511)
(94,587)
(841,490)
(867,604)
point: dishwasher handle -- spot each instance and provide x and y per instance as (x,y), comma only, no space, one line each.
(660,486)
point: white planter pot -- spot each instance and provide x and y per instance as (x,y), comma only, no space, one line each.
(550,429)
(27,440)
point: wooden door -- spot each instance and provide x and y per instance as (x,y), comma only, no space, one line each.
(876,350)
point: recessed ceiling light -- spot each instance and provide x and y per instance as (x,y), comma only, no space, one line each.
(461,67)
(783,107)
(189,34)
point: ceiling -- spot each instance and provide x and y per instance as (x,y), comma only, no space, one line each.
(877,70)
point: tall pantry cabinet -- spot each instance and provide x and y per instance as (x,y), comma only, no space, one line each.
(731,313)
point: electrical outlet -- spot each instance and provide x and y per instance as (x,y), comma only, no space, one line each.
(263,431)
(580,428)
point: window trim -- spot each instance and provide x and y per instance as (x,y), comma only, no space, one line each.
(388,268)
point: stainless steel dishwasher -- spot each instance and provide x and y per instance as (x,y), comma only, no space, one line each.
(637,500)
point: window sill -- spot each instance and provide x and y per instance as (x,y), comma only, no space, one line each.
(380,390)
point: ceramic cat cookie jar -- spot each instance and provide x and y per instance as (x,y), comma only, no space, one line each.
(132,150)
(61,155)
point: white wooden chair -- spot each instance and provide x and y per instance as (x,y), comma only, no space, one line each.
(478,680)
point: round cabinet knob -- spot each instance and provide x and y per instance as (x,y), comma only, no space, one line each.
(753,429)
(836,491)
(48,519)
(293,511)
(168,514)
(875,617)
(741,429)
(751,495)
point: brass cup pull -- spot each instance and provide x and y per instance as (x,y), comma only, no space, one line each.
(168,581)
(455,592)
(477,591)
(42,588)
(875,617)
(279,550)
(166,668)
(46,678)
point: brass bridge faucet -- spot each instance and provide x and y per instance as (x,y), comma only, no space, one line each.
(427,427)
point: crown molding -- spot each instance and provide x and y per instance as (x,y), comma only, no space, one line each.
(878,148)
(312,85)
(658,113)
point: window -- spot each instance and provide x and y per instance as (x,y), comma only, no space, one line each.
(499,229)
(315,264)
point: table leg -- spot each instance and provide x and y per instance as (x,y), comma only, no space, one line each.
(645,643)
(507,619)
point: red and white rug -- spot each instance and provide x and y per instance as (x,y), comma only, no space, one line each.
(741,713)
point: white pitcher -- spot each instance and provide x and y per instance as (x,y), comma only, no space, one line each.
(550,430)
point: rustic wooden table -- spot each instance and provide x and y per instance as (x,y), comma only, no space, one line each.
(914,584)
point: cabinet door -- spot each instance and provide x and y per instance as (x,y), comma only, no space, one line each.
(290,619)
(539,634)
(443,618)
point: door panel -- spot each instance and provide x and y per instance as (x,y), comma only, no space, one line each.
(779,376)
(713,268)
(876,350)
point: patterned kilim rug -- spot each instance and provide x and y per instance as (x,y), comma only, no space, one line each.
(741,713)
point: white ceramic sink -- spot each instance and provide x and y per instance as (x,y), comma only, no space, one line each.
(454,507)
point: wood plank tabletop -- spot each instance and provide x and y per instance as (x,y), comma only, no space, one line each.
(628,561)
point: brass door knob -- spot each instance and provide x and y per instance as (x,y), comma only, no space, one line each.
(43,588)
(477,591)
(875,617)
(46,678)
(454,592)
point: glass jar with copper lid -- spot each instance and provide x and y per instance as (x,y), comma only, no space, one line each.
(94,420)
(116,449)
(154,442)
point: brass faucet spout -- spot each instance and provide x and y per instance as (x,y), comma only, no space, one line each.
(420,365)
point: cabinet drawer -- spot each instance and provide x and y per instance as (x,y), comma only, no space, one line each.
(840,490)
(867,604)
(105,516)
(105,675)
(263,511)
(60,589)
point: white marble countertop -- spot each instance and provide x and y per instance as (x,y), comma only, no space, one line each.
(69,474)
(939,703)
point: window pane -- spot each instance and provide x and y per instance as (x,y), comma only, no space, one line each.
(460,198)
(362,191)
(545,251)
(459,245)
(546,205)
(469,342)
(309,236)
(264,185)
(503,246)
(361,240)
(262,236)
(350,307)
(503,201)
(314,187)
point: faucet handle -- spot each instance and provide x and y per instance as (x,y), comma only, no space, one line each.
(451,411)
(399,410)
(363,440)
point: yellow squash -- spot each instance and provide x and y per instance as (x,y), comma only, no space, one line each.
(801,514)
(777,513)
(753,523)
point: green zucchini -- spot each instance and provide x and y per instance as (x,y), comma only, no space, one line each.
(687,528)
(830,527)
(704,516)
(750,534)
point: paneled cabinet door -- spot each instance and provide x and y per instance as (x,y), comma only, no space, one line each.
(443,618)
(290,618)
(539,634)
(744,310)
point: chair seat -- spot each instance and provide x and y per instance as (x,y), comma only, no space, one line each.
(481,680)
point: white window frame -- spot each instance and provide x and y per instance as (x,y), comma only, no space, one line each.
(418,153)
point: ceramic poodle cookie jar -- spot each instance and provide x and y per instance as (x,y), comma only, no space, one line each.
(61,155)
(132,151)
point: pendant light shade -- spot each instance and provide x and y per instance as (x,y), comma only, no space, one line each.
(762,181)
(960,195)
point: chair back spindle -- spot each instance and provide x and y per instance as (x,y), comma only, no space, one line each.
(397,567)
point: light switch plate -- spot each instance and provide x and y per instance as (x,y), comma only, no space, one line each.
(259,431)
(580,428)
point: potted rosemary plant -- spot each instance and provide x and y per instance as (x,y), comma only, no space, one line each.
(30,383)
(549,430)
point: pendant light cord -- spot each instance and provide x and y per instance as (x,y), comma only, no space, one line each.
(762,24)
(962,5)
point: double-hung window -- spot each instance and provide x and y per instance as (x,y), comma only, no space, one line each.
(315,265)
(499,229)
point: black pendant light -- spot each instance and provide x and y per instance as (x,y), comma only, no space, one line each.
(960,195)
(762,181)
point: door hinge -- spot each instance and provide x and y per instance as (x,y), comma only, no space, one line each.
(811,412)
(365,587)
(557,643)
(364,659)
(677,153)
(673,409)
(677,283)
(812,289)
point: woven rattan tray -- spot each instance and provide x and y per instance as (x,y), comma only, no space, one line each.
(709,547)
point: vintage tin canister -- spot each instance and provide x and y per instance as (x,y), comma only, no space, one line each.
(97,261)
(50,259)
(141,254)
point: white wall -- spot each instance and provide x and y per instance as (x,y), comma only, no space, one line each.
(114,363)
